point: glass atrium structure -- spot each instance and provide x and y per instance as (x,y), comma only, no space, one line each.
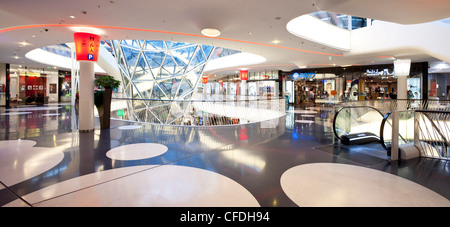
(159,76)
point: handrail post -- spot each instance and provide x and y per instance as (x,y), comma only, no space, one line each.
(416,130)
(394,145)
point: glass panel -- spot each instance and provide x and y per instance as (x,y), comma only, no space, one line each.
(141,70)
(161,111)
(185,87)
(130,56)
(158,93)
(167,87)
(169,65)
(207,50)
(184,54)
(144,88)
(131,43)
(154,45)
(194,75)
(176,45)
(154,59)
(198,59)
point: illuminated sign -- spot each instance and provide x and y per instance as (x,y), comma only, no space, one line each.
(375,72)
(204,80)
(86,46)
(303,76)
(244,74)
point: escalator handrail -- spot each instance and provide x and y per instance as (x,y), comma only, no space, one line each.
(383,122)
(345,107)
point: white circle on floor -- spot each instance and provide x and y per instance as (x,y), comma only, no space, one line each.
(302,111)
(34,108)
(20,160)
(136,151)
(51,114)
(342,185)
(15,113)
(130,127)
(304,121)
(151,185)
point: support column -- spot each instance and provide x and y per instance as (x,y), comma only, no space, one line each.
(402,68)
(425,80)
(244,77)
(401,87)
(87,46)
(243,87)
(86,95)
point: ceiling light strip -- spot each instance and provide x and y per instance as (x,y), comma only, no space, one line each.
(165,32)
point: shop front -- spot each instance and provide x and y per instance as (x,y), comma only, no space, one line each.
(337,84)
(264,84)
(312,87)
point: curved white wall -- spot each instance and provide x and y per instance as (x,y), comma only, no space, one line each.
(427,38)
(382,37)
(316,30)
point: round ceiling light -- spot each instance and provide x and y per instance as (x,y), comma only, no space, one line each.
(211,32)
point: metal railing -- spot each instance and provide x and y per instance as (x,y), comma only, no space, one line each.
(207,111)
(432,133)
(423,123)
(389,105)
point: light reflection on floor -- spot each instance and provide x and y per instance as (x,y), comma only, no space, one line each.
(253,156)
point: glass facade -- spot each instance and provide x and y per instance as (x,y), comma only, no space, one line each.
(155,74)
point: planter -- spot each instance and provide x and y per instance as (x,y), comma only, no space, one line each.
(102,101)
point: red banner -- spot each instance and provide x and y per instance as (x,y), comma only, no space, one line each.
(204,80)
(244,74)
(87,46)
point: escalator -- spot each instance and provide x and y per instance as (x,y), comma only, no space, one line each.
(357,125)
(363,124)
(406,130)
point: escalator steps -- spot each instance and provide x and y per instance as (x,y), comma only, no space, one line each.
(359,138)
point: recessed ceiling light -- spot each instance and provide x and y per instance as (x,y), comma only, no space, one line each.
(24,43)
(276,41)
(211,32)
(73,17)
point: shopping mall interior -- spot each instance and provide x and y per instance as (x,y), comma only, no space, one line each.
(258,103)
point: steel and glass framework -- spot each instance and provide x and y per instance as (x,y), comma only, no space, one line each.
(158,76)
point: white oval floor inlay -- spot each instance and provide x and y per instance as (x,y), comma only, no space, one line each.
(302,111)
(136,151)
(307,115)
(51,114)
(130,127)
(20,160)
(160,186)
(15,113)
(34,108)
(304,121)
(332,184)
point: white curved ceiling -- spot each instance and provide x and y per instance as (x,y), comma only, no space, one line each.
(249,26)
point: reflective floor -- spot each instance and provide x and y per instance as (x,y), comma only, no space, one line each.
(286,162)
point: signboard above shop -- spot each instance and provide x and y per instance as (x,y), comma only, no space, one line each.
(309,76)
(376,72)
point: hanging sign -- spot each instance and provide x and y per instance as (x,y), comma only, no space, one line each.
(244,74)
(87,46)
(204,80)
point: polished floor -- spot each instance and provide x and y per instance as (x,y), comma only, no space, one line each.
(288,162)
